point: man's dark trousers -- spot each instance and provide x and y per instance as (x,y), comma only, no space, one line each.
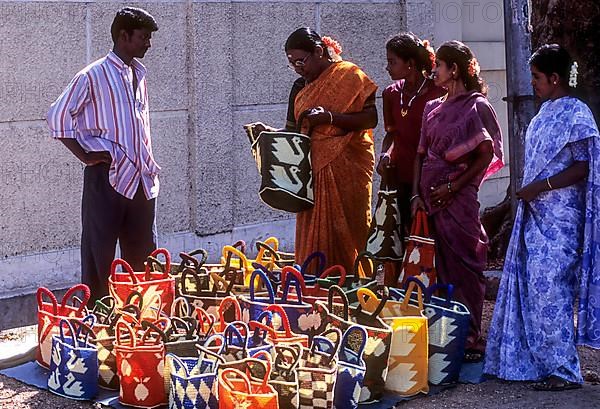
(108,216)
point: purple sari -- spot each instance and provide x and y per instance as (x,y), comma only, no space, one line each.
(451,130)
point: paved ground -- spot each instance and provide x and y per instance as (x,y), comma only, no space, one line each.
(491,395)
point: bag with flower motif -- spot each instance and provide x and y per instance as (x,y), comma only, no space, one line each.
(419,257)
(140,367)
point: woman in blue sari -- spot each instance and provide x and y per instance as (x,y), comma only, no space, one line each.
(554,251)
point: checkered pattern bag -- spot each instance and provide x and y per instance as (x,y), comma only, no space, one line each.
(317,372)
(193,383)
(284,376)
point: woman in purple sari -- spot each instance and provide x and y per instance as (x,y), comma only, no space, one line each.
(460,146)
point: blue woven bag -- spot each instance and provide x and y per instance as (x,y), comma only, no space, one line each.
(299,312)
(193,381)
(351,368)
(74,362)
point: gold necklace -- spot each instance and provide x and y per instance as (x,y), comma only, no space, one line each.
(403,111)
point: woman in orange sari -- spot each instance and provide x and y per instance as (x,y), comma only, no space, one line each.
(339,100)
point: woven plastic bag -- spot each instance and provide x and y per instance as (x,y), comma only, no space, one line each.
(74,362)
(408,361)
(140,367)
(49,316)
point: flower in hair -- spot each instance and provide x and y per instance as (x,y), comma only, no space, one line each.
(474,68)
(573,75)
(333,47)
(427,45)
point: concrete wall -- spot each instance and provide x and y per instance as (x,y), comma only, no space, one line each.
(213,66)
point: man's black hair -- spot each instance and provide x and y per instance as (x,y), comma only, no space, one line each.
(132,18)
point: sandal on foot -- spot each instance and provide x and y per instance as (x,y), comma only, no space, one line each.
(554,384)
(473,356)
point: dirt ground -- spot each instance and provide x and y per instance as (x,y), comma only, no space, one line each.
(492,394)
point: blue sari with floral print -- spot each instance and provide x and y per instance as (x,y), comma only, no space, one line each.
(553,256)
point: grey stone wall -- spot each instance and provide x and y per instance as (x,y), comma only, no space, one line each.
(213,66)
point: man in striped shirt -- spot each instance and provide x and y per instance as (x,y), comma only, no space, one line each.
(102,117)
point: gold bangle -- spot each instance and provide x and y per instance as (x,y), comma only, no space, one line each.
(548,183)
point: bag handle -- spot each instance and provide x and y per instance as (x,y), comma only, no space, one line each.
(333,290)
(336,268)
(280,361)
(85,328)
(177,365)
(367,300)
(420,225)
(184,282)
(217,279)
(70,293)
(225,305)
(356,270)
(346,342)
(40,299)
(203,318)
(126,266)
(203,351)
(188,324)
(104,309)
(71,331)
(259,273)
(137,295)
(449,288)
(232,330)
(188,260)
(223,378)
(154,299)
(181,307)
(315,256)
(412,284)
(210,340)
(266,252)
(131,311)
(152,262)
(121,325)
(150,327)
(334,346)
(241,244)
(230,251)
(285,321)
(286,281)
(167,268)
(267,362)
(301,119)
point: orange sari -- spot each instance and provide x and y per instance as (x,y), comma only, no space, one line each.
(343,164)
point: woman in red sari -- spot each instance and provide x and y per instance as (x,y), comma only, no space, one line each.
(410,61)
(460,146)
(340,99)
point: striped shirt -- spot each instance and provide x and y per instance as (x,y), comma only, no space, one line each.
(99,109)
